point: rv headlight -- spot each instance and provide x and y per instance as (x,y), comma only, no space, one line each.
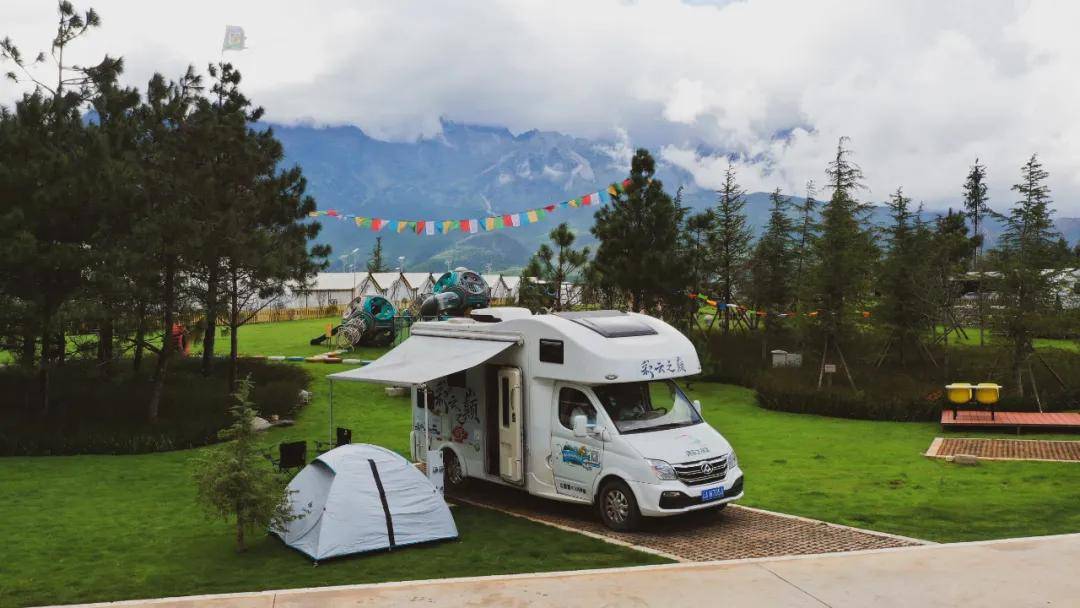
(662,469)
(732,460)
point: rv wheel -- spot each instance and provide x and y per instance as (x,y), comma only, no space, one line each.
(455,476)
(618,508)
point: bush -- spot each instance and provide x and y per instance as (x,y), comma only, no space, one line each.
(93,415)
(909,392)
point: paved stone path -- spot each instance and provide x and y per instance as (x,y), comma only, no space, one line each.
(1009,573)
(1007,449)
(734,533)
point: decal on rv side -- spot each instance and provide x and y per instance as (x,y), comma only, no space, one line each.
(581,456)
(659,368)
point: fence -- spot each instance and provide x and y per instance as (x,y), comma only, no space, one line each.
(273,315)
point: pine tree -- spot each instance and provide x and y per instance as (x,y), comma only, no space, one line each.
(561,263)
(844,251)
(807,230)
(234,481)
(903,306)
(50,161)
(975,205)
(772,266)
(731,242)
(1024,251)
(376,263)
(639,239)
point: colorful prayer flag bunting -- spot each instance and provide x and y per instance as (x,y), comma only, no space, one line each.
(472,226)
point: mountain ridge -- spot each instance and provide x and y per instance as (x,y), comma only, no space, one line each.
(474,171)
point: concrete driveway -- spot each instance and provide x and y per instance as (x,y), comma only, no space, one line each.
(1019,572)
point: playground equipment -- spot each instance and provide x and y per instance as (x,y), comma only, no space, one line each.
(455,294)
(367,320)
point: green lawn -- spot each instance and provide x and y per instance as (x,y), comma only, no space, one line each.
(973,340)
(114,527)
(871,475)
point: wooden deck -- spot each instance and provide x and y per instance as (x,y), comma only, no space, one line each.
(1050,421)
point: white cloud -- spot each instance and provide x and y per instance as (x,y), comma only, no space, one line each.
(922,87)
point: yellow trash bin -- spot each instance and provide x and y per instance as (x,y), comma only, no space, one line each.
(958,392)
(987,393)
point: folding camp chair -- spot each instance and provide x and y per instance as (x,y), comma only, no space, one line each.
(344,437)
(291,455)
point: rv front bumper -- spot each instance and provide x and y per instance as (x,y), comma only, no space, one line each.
(674,497)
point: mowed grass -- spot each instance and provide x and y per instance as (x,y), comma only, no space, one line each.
(972,339)
(872,475)
(97,528)
(92,528)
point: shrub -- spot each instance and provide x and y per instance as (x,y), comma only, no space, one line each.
(93,415)
(891,392)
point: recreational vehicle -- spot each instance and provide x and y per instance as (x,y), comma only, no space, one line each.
(579,407)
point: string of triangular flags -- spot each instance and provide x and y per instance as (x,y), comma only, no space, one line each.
(487,224)
(762,313)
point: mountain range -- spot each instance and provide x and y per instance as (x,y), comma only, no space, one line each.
(471,171)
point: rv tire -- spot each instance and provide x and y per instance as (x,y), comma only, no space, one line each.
(618,507)
(455,475)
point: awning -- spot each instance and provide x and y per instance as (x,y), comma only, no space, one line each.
(423,358)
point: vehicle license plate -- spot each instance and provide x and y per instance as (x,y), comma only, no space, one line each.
(712,494)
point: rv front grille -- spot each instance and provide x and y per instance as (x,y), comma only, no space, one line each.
(698,472)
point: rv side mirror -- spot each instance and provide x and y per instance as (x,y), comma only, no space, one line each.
(581,425)
(697,406)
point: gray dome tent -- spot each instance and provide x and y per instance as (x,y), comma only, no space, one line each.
(359,498)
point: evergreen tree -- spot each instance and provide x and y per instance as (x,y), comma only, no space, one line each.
(1024,251)
(561,263)
(772,266)
(234,481)
(731,242)
(376,263)
(975,205)
(48,165)
(807,230)
(533,294)
(844,251)
(904,307)
(639,239)
(167,155)
(263,237)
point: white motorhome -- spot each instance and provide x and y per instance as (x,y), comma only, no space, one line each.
(575,406)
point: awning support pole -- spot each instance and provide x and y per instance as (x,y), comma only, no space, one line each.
(331,412)
(427,427)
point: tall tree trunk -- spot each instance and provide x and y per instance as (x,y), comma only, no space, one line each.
(211,307)
(61,346)
(234,327)
(29,346)
(168,299)
(43,366)
(140,336)
(240,546)
(105,347)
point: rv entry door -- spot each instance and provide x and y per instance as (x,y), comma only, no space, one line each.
(510,424)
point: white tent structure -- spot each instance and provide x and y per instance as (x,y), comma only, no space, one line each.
(359,498)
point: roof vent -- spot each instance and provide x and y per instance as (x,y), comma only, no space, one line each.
(609,323)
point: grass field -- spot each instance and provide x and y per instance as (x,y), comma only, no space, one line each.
(972,339)
(114,527)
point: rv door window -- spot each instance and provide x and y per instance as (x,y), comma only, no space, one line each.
(573,402)
(504,389)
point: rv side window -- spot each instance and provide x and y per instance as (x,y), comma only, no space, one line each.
(573,402)
(505,391)
(551,351)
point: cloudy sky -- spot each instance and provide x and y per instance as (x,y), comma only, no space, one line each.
(921,87)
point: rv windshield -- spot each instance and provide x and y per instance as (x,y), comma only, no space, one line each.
(637,407)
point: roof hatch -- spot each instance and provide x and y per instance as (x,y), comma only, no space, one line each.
(609,323)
